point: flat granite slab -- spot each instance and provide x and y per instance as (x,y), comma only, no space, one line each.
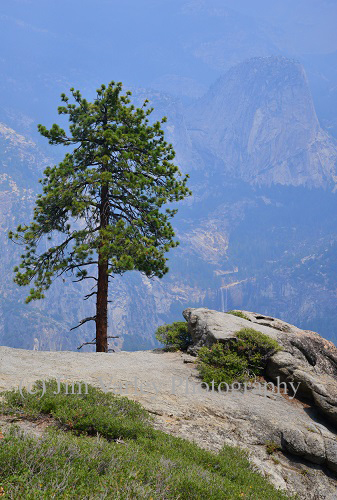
(167,385)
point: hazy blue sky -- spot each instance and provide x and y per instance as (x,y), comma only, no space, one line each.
(173,45)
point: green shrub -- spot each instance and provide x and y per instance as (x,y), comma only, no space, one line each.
(221,365)
(240,314)
(175,336)
(256,347)
(238,359)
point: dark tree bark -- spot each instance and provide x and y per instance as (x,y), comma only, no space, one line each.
(103,280)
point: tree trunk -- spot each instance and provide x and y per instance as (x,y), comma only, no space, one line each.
(103,280)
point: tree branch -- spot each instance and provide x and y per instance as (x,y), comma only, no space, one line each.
(93,342)
(85,278)
(90,318)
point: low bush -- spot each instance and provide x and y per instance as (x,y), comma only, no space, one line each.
(175,336)
(238,359)
(221,365)
(256,347)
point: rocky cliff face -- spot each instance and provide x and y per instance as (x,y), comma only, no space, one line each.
(306,358)
(307,361)
(259,119)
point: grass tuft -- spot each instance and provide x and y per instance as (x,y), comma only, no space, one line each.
(240,314)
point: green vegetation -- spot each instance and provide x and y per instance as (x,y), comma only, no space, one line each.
(175,336)
(110,415)
(272,447)
(105,200)
(221,365)
(240,314)
(238,359)
(256,347)
(123,459)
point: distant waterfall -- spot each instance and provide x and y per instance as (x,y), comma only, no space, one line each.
(224,298)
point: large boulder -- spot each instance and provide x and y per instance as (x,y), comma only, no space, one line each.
(306,357)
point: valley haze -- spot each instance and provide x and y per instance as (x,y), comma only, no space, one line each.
(249,90)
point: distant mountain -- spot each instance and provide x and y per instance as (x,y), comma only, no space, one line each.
(322,74)
(259,232)
(259,120)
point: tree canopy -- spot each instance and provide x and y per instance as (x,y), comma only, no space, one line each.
(104,203)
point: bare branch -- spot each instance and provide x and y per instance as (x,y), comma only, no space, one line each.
(90,318)
(93,342)
(87,343)
(85,278)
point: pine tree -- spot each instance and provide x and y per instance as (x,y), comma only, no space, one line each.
(104,202)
